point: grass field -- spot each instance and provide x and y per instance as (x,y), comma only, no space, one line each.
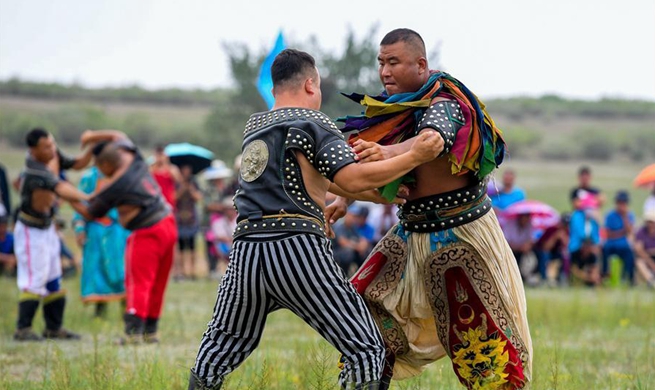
(583,339)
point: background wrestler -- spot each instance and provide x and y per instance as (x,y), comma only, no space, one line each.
(403,68)
(143,210)
(37,245)
(302,276)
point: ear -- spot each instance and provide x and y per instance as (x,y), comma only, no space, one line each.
(310,86)
(422,65)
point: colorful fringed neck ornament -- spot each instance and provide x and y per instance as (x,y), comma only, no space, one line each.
(478,148)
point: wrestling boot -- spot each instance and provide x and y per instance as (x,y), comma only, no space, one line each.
(27,306)
(196,384)
(53,314)
(150,335)
(134,327)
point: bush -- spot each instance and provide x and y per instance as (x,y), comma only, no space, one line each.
(559,149)
(522,142)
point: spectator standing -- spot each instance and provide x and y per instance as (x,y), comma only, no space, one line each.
(103,242)
(619,224)
(214,207)
(5,199)
(645,249)
(166,175)
(585,195)
(186,214)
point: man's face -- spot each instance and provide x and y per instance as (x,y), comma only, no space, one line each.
(45,150)
(650,227)
(622,207)
(186,171)
(585,179)
(400,69)
(508,179)
(106,169)
(524,220)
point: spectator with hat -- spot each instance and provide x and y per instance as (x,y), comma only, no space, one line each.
(351,246)
(619,225)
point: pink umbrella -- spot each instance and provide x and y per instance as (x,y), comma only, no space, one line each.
(542,214)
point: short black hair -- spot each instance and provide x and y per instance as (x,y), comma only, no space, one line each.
(108,153)
(98,148)
(406,35)
(290,65)
(33,137)
(584,170)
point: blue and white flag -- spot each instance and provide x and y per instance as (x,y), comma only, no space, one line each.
(265,82)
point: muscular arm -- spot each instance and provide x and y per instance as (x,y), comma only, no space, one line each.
(68,192)
(95,136)
(83,160)
(370,151)
(366,196)
(82,209)
(355,178)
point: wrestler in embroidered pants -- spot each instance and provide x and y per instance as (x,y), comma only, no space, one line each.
(297,273)
(148,261)
(39,275)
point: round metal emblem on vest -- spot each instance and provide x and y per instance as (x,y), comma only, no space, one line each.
(255,159)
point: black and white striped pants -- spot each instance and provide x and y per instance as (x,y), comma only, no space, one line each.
(297,273)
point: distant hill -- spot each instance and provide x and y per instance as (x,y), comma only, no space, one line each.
(548,127)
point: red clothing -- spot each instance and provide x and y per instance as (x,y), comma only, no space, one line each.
(148,261)
(166,182)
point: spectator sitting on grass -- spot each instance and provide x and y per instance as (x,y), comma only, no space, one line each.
(350,246)
(508,194)
(518,233)
(584,244)
(619,224)
(551,246)
(7,257)
(645,249)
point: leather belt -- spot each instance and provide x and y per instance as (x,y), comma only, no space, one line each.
(281,223)
(35,222)
(445,211)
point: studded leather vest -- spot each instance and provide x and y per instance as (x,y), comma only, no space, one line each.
(272,196)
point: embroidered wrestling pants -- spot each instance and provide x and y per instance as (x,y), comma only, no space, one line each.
(298,273)
(455,292)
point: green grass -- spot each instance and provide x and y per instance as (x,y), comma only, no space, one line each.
(583,339)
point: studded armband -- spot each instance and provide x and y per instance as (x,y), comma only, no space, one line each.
(446,118)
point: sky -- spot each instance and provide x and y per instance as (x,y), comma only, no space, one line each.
(573,48)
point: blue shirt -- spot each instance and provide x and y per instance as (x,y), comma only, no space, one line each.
(582,228)
(502,200)
(366,231)
(614,223)
(7,245)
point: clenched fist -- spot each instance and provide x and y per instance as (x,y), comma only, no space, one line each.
(427,146)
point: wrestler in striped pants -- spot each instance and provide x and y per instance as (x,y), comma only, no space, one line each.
(296,272)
